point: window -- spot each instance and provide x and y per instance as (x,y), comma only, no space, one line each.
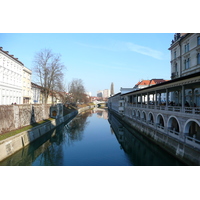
(187,63)
(198,58)
(187,47)
(175,67)
(174,54)
(198,40)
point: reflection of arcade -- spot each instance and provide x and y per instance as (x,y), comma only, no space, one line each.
(140,151)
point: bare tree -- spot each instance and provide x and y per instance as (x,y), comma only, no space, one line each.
(77,90)
(48,69)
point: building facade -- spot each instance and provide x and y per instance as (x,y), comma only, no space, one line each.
(26,82)
(11,72)
(185,54)
(15,80)
(175,124)
(36,94)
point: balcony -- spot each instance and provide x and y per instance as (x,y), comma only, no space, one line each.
(174,75)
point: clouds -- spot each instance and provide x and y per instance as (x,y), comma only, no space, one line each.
(127,46)
(144,50)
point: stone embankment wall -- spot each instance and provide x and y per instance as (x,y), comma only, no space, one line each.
(187,154)
(16,116)
(12,144)
(16,142)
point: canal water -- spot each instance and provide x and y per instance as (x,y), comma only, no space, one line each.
(92,139)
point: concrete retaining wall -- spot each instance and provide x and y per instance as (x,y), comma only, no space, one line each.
(12,144)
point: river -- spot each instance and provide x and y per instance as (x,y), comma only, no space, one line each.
(91,139)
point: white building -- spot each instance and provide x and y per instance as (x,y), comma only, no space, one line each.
(106,93)
(11,70)
(15,80)
(185,60)
(36,94)
(185,54)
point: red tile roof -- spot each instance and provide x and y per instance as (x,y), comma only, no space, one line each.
(151,82)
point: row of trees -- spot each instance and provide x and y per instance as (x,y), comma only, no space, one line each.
(48,70)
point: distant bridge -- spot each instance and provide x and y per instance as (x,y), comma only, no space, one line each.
(99,103)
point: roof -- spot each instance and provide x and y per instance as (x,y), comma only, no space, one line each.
(12,56)
(151,82)
(168,82)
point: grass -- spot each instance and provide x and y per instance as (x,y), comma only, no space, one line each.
(25,128)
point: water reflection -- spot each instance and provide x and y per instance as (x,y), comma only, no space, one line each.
(101,113)
(90,140)
(141,152)
(75,128)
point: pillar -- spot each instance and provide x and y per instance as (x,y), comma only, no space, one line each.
(193,97)
(183,97)
(167,97)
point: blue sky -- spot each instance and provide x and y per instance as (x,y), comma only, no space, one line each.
(98,58)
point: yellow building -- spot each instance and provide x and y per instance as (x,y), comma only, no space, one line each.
(26,85)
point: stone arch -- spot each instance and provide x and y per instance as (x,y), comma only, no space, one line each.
(151,118)
(192,128)
(143,115)
(133,113)
(173,124)
(160,120)
(138,114)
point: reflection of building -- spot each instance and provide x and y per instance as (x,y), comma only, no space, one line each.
(11,70)
(101,113)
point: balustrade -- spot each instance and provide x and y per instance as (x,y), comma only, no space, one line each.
(192,141)
(190,110)
(169,131)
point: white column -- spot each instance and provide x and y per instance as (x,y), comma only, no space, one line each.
(167,97)
(183,97)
